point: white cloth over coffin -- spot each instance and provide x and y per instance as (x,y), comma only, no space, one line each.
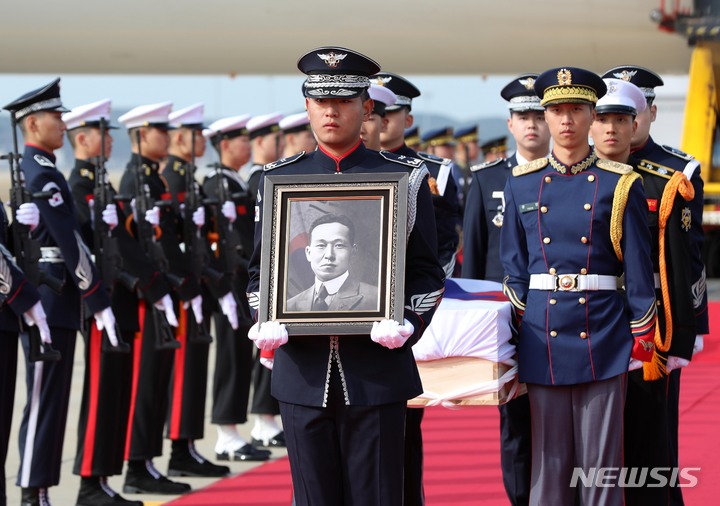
(469,328)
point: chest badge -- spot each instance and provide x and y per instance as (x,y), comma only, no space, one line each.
(686,219)
(498,218)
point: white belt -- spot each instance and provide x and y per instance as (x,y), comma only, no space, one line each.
(51,254)
(573,282)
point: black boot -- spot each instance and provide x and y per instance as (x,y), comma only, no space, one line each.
(35,496)
(278,440)
(186,461)
(95,491)
(143,478)
(246,453)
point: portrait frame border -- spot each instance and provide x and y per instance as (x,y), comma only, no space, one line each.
(275,235)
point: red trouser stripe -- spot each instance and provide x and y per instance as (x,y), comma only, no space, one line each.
(179,376)
(137,354)
(95,344)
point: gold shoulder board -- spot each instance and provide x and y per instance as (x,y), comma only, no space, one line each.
(617,167)
(529,167)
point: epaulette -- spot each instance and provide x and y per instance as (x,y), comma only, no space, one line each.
(677,152)
(655,169)
(283,161)
(527,168)
(405,160)
(433,158)
(44,161)
(485,165)
(178,167)
(616,167)
(87,174)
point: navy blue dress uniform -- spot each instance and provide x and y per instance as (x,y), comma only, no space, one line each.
(234,363)
(18,296)
(65,257)
(465,138)
(361,377)
(259,126)
(483,220)
(151,378)
(107,384)
(569,233)
(658,164)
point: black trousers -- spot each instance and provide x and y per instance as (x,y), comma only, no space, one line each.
(8,373)
(233,372)
(263,403)
(414,492)
(516,449)
(345,455)
(42,429)
(673,401)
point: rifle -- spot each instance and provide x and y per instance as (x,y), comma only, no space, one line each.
(229,246)
(107,254)
(164,333)
(27,250)
(195,244)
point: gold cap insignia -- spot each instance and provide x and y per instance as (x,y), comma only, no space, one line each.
(625,75)
(332,59)
(564,77)
(381,80)
(529,83)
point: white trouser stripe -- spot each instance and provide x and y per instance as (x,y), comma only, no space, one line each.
(32,425)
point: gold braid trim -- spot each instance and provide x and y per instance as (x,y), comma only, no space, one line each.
(622,190)
(678,183)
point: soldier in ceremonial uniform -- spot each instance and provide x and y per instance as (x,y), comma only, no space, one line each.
(573,225)
(297,134)
(148,130)
(494,149)
(666,159)
(412,138)
(370,132)
(234,362)
(355,402)
(481,257)
(188,386)
(447,223)
(467,152)
(266,142)
(18,299)
(65,257)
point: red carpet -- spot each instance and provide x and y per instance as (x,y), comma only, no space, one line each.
(462,459)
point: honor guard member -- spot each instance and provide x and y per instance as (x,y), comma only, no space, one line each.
(148,130)
(494,149)
(64,256)
(573,226)
(234,355)
(344,416)
(440,143)
(370,132)
(412,138)
(447,222)
(658,164)
(467,152)
(188,384)
(266,142)
(297,134)
(482,223)
(18,299)
(108,376)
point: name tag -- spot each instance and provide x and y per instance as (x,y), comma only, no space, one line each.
(497,195)
(530,206)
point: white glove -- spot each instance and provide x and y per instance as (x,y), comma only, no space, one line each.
(36,316)
(196,304)
(635,364)
(390,333)
(676,363)
(198,217)
(228,305)
(699,344)
(105,319)
(28,214)
(267,362)
(229,211)
(152,216)
(109,216)
(268,335)
(165,304)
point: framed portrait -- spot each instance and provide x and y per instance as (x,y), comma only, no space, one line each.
(333,252)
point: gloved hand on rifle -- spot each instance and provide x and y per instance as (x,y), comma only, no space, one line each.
(28,214)
(196,304)
(105,319)
(109,216)
(165,304)
(229,211)
(198,217)
(228,304)
(36,316)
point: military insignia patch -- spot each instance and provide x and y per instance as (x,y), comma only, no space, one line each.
(83,270)
(686,219)
(625,75)
(529,83)
(87,174)
(564,77)
(283,161)
(652,205)
(332,59)
(43,161)
(57,198)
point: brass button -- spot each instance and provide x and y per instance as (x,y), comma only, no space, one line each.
(581,300)
(546,240)
(553,333)
(543,209)
(548,179)
(587,207)
(583,335)
(552,270)
(583,271)
(584,240)
(553,301)
(591,178)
